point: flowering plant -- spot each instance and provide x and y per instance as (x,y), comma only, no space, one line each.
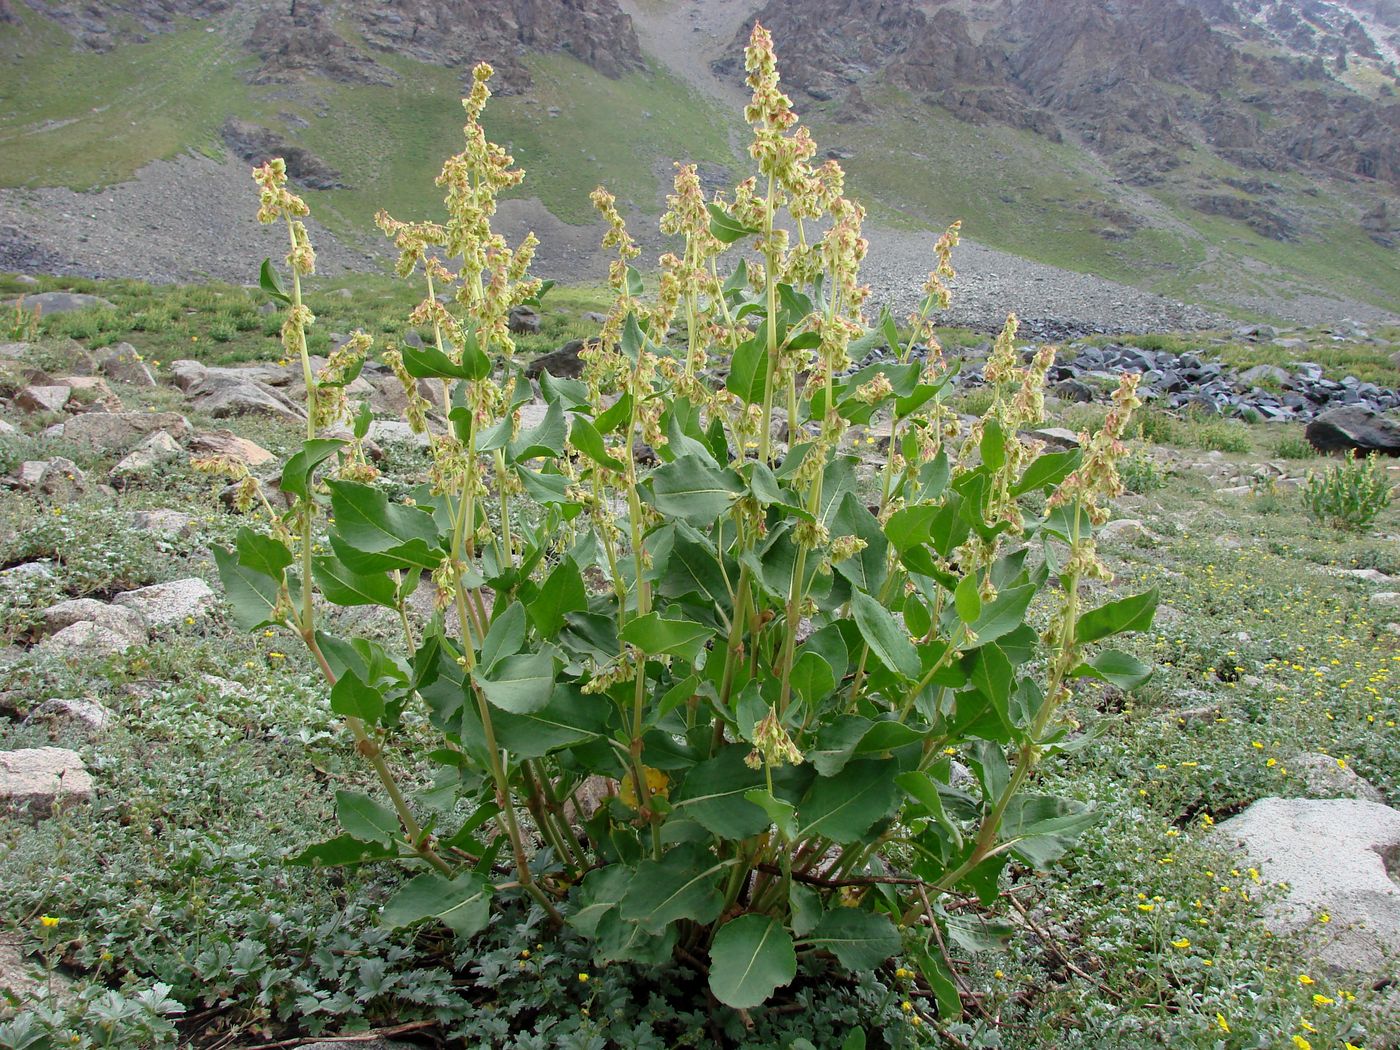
(699,672)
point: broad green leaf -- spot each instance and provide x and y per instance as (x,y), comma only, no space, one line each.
(270,283)
(618,940)
(505,637)
(262,553)
(568,718)
(365,819)
(939,977)
(1112,665)
(886,638)
(1049,469)
(812,677)
(352,698)
(463,904)
(683,884)
(836,743)
(367,521)
(656,636)
(600,892)
(341,851)
(1044,827)
(751,957)
(725,228)
(691,489)
(967,599)
(585,437)
(844,807)
(340,586)
(428,362)
(1002,615)
(570,393)
(545,439)
(1133,613)
(804,908)
(993,447)
(861,940)
(297,474)
(713,795)
(561,593)
(521,685)
(782,814)
(748,370)
(251,594)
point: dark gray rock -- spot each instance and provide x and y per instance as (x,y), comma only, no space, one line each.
(1353,428)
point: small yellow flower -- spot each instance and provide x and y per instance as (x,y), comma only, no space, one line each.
(583,977)
(902,974)
(1321,1000)
(525,953)
(1146,907)
(1324,918)
(998,974)
(916,1020)
(1182,943)
(1221,1023)
(276,656)
(48,921)
(1304,979)
(1271,763)
(1301,1043)
(906,1006)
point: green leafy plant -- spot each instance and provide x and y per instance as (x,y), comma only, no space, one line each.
(1349,495)
(697,674)
(1141,473)
(1294,448)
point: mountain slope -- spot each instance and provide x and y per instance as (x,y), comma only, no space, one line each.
(1243,154)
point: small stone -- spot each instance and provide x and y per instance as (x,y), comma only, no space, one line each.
(1325,776)
(61,302)
(167,524)
(167,603)
(40,780)
(91,394)
(394,431)
(1058,437)
(250,398)
(159,448)
(524,320)
(85,716)
(1386,599)
(119,431)
(123,364)
(225,444)
(1123,530)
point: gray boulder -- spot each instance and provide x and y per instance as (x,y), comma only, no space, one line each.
(524,320)
(1353,428)
(122,363)
(84,716)
(159,448)
(166,524)
(43,397)
(119,431)
(1334,856)
(116,618)
(85,638)
(167,603)
(563,363)
(225,444)
(40,780)
(61,302)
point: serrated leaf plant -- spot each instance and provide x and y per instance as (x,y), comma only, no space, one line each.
(698,670)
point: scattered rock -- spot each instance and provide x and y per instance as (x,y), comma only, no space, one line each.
(115,618)
(123,364)
(1123,530)
(1386,599)
(167,524)
(85,639)
(563,363)
(43,398)
(1332,854)
(1352,427)
(58,477)
(119,431)
(39,780)
(524,320)
(159,448)
(1263,374)
(225,444)
(395,432)
(1325,776)
(166,603)
(1057,437)
(85,716)
(19,979)
(246,399)
(61,302)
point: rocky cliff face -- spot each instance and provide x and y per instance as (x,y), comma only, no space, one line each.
(1263,83)
(296,39)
